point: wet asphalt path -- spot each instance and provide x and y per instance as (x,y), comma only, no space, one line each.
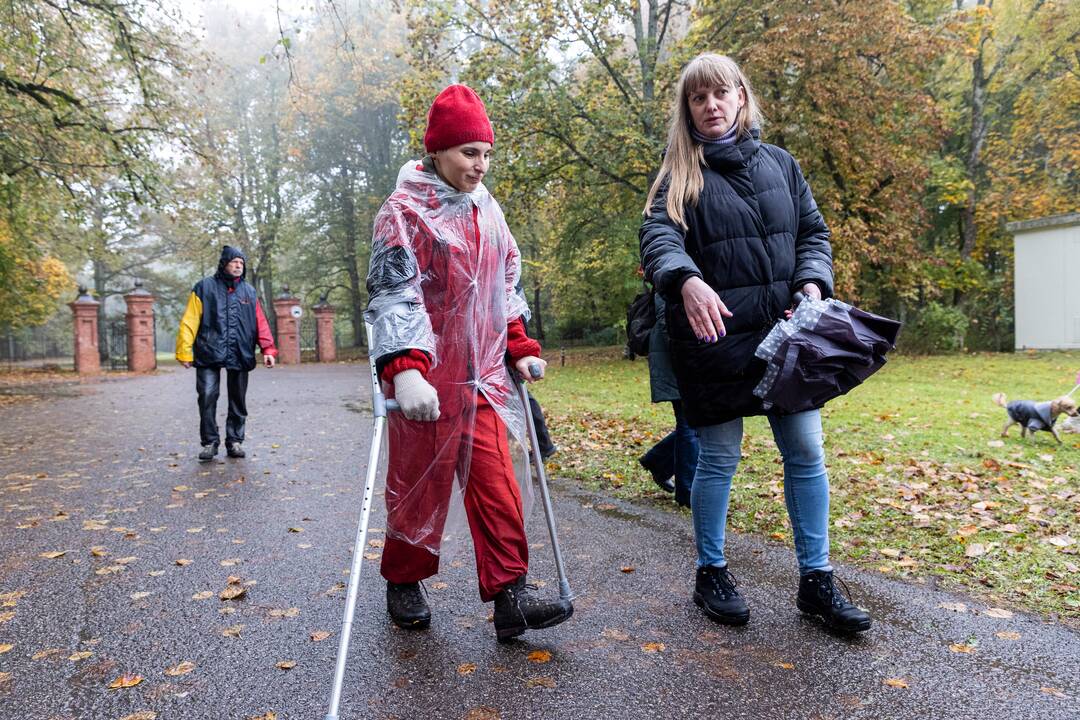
(107,475)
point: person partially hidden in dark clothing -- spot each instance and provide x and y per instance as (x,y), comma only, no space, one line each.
(543,437)
(1032,416)
(221,327)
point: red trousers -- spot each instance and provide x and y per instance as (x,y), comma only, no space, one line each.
(424,459)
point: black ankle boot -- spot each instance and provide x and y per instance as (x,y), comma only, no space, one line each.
(818,595)
(517,609)
(667,484)
(407,607)
(715,593)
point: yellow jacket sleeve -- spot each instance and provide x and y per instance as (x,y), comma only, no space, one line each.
(189,328)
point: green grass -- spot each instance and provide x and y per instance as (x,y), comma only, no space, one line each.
(923,487)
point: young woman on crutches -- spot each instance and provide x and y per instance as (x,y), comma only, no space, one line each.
(445,315)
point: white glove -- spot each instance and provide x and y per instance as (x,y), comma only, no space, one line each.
(416,396)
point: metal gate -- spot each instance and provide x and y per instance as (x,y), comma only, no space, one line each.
(309,335)
(116,339)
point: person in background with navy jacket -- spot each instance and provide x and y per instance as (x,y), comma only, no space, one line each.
(220,328)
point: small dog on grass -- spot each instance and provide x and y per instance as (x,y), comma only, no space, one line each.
(1032,416)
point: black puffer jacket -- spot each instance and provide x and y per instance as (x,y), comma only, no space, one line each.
(755,236)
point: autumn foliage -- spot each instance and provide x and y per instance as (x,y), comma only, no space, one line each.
(922,127)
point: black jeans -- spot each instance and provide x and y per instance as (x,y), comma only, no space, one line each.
(542,436)
(208,386)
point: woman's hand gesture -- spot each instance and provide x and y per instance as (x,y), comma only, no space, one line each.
(704,309)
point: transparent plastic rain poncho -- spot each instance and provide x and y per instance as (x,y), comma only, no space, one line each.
(440,282)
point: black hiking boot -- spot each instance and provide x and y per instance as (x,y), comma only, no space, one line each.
(407,607)
(715,593)
(208,453)
(818,595)
(517,609)
(665,484)
(235,450)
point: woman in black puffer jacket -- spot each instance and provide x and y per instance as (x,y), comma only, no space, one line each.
(731,231)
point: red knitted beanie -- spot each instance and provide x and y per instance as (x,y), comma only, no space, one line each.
(457,117)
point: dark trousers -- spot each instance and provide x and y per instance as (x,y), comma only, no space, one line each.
(208,386)
(676,455)
(543,437)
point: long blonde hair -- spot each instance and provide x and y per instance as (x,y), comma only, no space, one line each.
(685,155)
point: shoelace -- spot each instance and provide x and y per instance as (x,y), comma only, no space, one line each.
(836,597)
(724,582)
(516,594)
(413,595)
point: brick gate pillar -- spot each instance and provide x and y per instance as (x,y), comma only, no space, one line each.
(85,310)
(324,331)
(288,311)
(140,330)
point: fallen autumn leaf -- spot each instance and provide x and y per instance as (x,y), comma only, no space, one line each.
(539,656)
(542,681)
(181,669)
(125,681)
(232,592)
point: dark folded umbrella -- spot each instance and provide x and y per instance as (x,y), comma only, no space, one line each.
(824,350)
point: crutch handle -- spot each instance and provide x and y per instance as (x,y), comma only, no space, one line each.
(392,405)
(536,371)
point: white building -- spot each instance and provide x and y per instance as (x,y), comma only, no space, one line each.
(1047,253)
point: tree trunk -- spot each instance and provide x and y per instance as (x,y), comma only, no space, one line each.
(100,290)
(538,317)
(349,243)
(973,164)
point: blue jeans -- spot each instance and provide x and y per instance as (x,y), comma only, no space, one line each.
(676,454)
(806,486)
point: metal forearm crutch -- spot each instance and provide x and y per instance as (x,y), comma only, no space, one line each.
(541,476)
(380,406)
